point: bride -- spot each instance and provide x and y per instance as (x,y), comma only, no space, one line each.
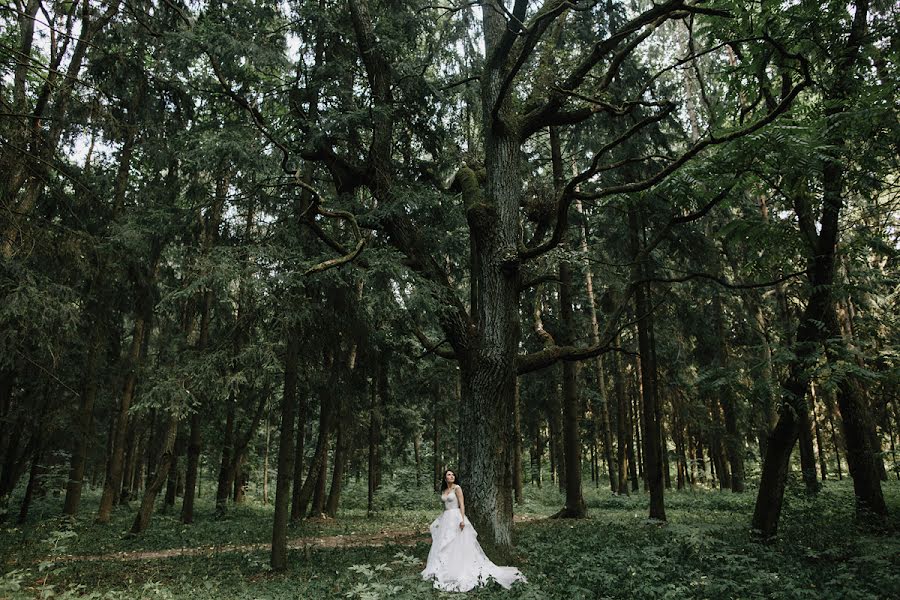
(456,561)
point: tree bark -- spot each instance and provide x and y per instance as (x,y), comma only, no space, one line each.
(622,427)
(734,440)
(34,476)
(85,423)
(296,513)
(820,310)
(322,443)
(517,450)
(210,235)
(163,465)
(278,559)
(114,479)
(575,507)
(340,461)
(226,474)
(375,435)
(807,454)
(653,475)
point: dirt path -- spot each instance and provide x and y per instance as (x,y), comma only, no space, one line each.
(401,537)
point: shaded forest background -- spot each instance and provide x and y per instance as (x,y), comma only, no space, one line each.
(262,251)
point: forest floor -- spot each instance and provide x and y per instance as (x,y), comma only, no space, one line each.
(705,551)
(392,536)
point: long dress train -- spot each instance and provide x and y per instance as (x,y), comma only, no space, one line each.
(456,561)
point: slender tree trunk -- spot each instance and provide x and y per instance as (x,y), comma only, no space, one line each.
(34,476)
(517,450)
(575,506)
(374,435)
(680,470)
(835,442)
(296,513)
(242,478)
(322,443)
(174,474)
(417,448)
(701,462)
(195,441)
(734,440)
(555,424)
(266,454)
(807,454)
(622,428)
(321,481)
(191,478)
(536,452)
(114,479)
(664,454)
(278,559)
(340,460)
(820,447)
(652,420)
(226,474)
(637,422)
(163,465)
(605,427)
(85,423)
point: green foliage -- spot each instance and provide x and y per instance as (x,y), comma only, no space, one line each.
(705,551)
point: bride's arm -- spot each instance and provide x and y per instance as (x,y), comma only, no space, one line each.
(462,507)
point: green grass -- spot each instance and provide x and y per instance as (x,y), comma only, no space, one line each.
(705,551)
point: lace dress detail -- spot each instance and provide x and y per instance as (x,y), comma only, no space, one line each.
(456,561)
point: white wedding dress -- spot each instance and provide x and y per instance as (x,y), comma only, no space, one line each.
(456,561)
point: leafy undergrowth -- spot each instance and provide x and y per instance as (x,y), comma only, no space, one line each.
(705,551)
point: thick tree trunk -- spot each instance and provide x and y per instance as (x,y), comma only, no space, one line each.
(820,310)
(278,559)
(862,454)
(487,351)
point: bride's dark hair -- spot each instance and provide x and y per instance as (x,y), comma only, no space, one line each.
(444,478)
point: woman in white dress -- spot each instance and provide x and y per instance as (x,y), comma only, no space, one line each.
(456,561)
